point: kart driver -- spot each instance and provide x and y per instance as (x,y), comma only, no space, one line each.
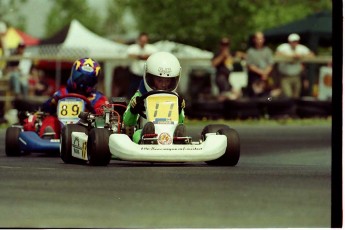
(82,80)
(162,72)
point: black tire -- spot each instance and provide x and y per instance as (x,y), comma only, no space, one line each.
(311,112)
(232,152)
(208,109)
(241,109)
(12,147)
(98,152)
(278,108)
(66,143)
(212,129)
(307,108)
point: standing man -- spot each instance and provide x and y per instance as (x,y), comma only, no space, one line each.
(292,69)
(223,62)
(19,71)
(138,52)
(260,64)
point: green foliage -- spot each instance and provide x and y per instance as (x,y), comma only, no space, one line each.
(64,11)
(203,23)
(274,13)
(189,22)
(195,22)
(114,23)
(7,8)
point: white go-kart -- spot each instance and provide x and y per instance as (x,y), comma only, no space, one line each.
(218,144)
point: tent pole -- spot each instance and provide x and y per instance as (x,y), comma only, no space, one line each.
(57,74)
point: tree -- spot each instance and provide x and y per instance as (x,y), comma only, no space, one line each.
(114,24)
(7,7)
(193,22)
(64,11)
(203,23)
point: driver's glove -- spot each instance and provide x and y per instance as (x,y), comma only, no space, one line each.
(83,116)
(137,105)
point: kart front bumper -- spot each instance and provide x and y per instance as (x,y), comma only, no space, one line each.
(122,147)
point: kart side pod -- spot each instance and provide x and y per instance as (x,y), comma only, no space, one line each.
(29,141)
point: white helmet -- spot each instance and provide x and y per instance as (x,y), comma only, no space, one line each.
(162,72)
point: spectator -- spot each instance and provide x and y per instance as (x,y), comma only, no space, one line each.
(260,65)
(38,86)
(82,80)
(18,72)
(223,61)
(2,62)
(138,52)
(291,70)
(155,78)
(3,50)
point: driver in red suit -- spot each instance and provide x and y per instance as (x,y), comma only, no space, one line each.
(82,81)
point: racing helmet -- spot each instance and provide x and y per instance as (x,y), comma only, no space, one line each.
(84,76)
(162,72)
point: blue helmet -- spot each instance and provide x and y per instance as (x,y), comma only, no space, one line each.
(84,76)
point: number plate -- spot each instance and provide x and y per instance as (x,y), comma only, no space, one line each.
(162,109)
(69,108)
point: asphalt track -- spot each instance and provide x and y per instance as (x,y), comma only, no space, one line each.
(283,180)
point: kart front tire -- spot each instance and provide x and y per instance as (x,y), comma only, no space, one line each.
(66,143)
(232,152)
(12,147)
(98,152)
(212,129)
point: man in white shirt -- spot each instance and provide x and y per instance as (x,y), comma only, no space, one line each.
(18,72)
(138,52)
(291,70)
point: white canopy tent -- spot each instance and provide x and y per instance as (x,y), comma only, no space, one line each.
(97,46)
(76,41)
(183,51)
(80,41)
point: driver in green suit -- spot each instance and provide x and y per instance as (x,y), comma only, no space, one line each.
(162,72)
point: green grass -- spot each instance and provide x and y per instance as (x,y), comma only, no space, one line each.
(272,122)
(285,121)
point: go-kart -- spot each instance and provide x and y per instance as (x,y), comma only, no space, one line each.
(78,141)
(24,137)
(219,144)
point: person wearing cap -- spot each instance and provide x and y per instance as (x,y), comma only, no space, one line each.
(223,62)
(292,69)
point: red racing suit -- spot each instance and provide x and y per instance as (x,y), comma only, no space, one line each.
(96,98)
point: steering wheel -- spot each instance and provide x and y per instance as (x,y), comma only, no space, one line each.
(85,99)
(143,97)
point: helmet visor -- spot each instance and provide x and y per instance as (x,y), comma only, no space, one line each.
(161,83)
(85,83)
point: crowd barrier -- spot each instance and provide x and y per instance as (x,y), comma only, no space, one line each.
(109,64)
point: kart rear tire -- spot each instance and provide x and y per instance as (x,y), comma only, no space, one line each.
(12,147)
(232,152)
(66,143)
(98,152)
